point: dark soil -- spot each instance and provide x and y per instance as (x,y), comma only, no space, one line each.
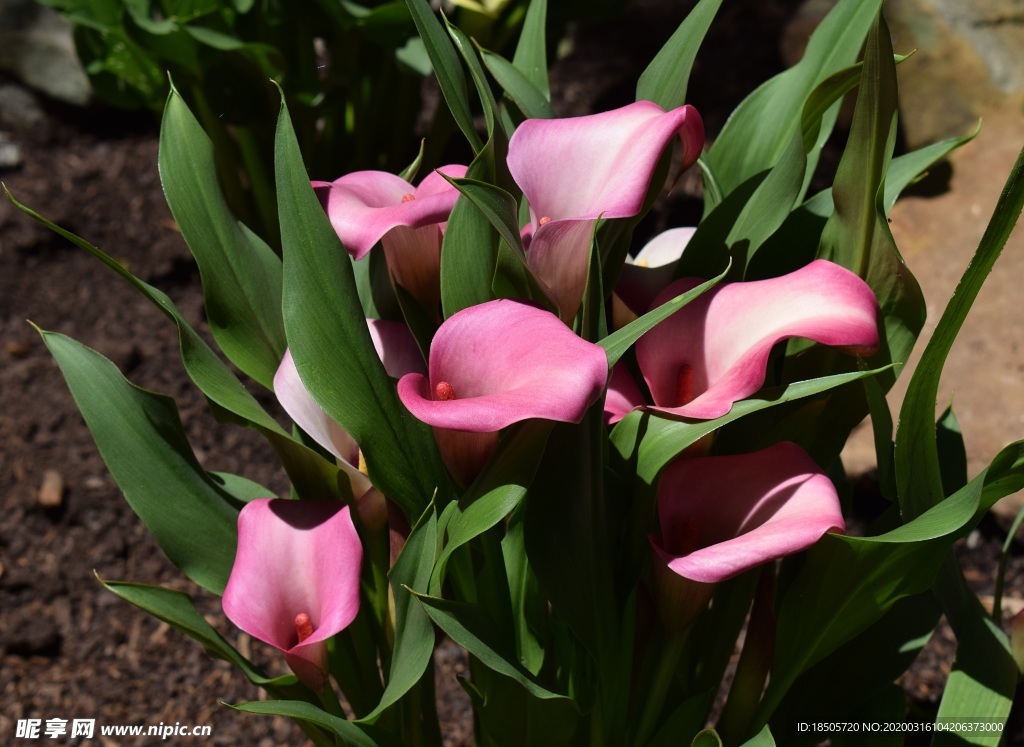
(71,649)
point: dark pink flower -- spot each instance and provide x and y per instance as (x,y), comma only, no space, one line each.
(576,170)
(714,351)
(295,581)
(496,364)
(370,206)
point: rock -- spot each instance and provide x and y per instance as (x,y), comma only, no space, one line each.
(36,47)
(19,109)
(51,492)
(10,155)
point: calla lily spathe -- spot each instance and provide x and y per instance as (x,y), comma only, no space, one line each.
(723,515)
(365,207)
(496,364)
(714,351)
(644,276)
(397,350)
(295,580)
(576,170)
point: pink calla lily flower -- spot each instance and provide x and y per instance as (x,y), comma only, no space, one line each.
(714,351)
(496,364)
(576,170)
(370,206)
(397,350)
(723,515)
(295,581)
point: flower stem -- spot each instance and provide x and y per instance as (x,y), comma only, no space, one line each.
(663,677)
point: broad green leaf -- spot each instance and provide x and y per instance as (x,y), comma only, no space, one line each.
(310,473)
(666,78)
(531,57)
(241,275)
(618,342)
(414,633)
(511,715)
(177,610)
(351,732)
(529,608)
(570,525)
(917,459)
(470,627)
(447,68)
(141,440)
(240,488)
(983,682)
(657,441)
(496,492)
(531,101)
(795,243)
(688,718)
(469,252)
(476,71)
(857,234)
(759,130)
(333,352)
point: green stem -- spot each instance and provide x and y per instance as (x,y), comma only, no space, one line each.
(658,691)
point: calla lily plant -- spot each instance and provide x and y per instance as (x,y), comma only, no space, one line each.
(596,463)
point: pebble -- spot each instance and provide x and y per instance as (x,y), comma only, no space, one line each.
(51,492)
(10,153)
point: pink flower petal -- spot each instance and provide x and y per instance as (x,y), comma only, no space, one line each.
(397,350)
(365,205)
(714,351)
(496,364)
(582,167)
(645,276)
(623,395)
(724,515)
(295,557)
(559,256)
(506,361)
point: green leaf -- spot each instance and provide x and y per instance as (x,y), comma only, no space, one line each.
(469,252)
(918,474)
(983,681)
(758,132)
(532,101)
(351,732)
(706,738)
(447,68)
(657,441)
(476,71)
(531,57)
(762,739)
(470,627)
(414,633)
(310,473)
(618,342)
(140,438)
(666,78)
(333,352)
(857,235)
(242,489)
(496,492)
(177,610)
(241,275)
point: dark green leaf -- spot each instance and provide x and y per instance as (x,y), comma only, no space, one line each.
(531,101)
(447,68)
(141,440)
(667,76)
(531,57)
(333,352)
(351,732)
(241,274)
